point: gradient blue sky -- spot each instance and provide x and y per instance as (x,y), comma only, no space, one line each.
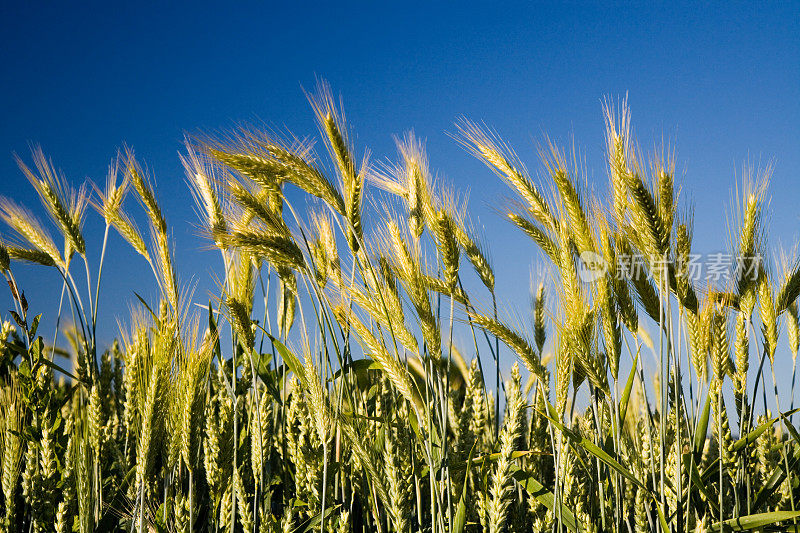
(719,83)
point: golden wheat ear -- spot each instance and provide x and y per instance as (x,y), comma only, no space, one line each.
(619,154)
(30,229)
(333,126)
(569,192)
(65,206)
(279,249)
(109,205)
(498,156)
(145,194)
(202,179)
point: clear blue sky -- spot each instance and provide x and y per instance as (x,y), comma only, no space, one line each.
(721,84)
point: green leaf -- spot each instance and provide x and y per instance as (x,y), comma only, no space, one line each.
(291,360)
(159,518)
(35,325)
(753,521)
(790,427)
(36,351)
(775,480)
(358,367)
(18,319)
(271,378)
(779,474)
(109,518)
(315,520)
(212,328)
(414,423)
(698,482)
(261,363)
(626,394)
(144,303)
(701,429)
(460,520)
(595,450)
(18,348)
(545,497)
(661,517)
(54,366)
(496,455)
(753,435)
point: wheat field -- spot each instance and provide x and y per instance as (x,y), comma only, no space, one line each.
(347,375)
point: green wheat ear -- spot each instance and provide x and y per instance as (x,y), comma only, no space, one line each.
(501,483)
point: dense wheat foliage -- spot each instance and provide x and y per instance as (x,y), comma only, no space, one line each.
(322,388)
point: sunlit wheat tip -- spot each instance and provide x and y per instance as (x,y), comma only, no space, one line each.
(501,159)
(29,228)
(201,178)
(65,206)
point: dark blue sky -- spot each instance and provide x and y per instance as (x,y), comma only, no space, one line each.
(720,84)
